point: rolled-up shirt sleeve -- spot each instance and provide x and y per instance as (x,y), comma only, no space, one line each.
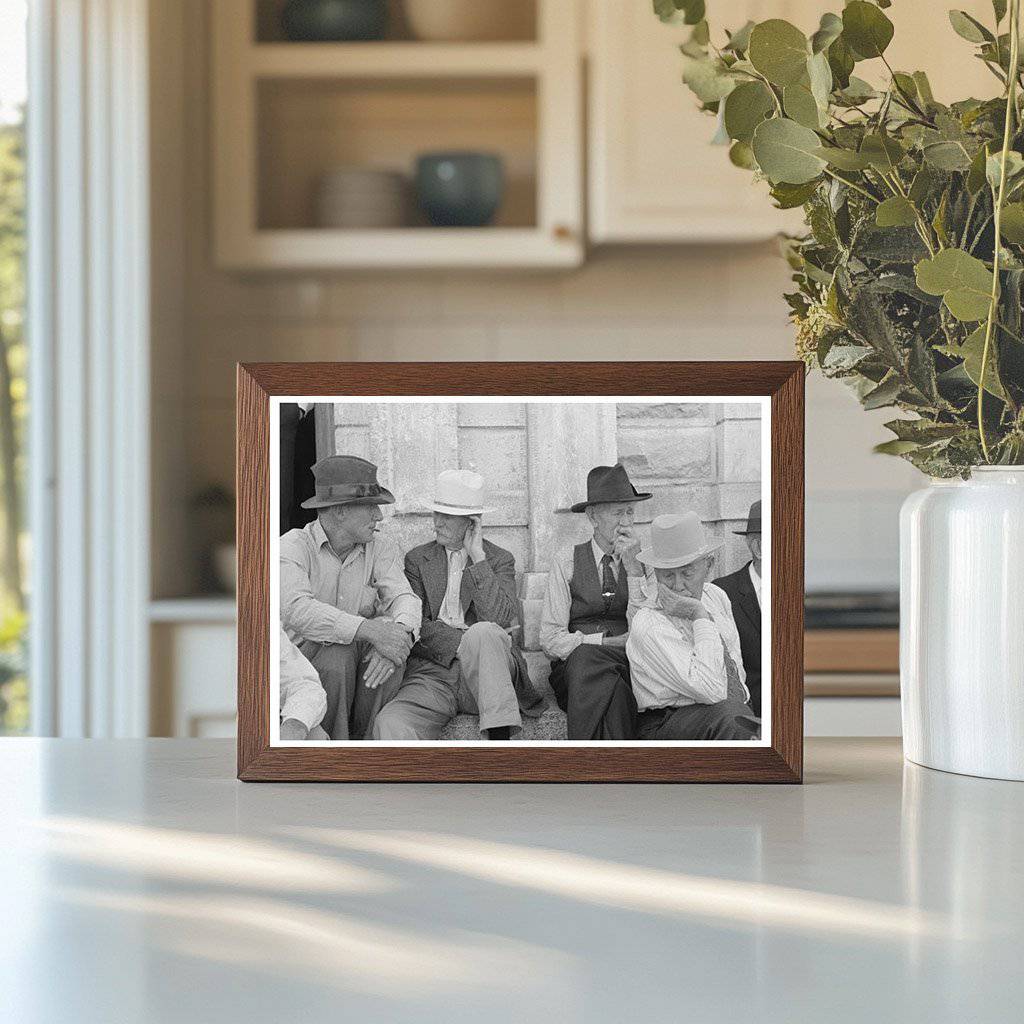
(303,698)
(301,613)
(556,641)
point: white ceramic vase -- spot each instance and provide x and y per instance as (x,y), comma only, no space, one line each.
(962,624)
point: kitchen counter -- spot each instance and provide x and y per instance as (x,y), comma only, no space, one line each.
(140,882)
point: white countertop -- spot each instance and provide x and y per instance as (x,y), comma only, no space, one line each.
(140,882)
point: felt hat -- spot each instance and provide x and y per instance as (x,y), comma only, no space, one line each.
(607,484)
(347,480)
(677,541)
(753,520)
(459,492)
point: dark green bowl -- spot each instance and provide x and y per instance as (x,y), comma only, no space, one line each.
(334,21)
(460,189)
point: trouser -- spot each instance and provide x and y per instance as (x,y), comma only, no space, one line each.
(351,706)
(479,682)
(726,720)
(592,687)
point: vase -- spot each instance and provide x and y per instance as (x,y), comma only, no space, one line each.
(330,21)
(962,624)
(460,189)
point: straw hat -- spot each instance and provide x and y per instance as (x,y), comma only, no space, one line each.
(677,541)
(459,492)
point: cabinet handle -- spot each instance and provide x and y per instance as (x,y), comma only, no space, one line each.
(562,232)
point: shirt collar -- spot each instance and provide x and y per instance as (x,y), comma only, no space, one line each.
(755,576)
(599,554)
(320,538)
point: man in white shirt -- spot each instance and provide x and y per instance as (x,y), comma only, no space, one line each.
(345,601)
(465,661)
(303,698)
(583,623)
(743,588)
(684,650)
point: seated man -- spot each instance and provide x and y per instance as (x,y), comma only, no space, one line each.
(345,601)
(683,648)
(465,660)
(303,700)
(583,625)
(743,588)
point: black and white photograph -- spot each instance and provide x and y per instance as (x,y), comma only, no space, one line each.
(538,570)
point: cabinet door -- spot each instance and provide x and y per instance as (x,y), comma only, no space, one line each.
(654,177)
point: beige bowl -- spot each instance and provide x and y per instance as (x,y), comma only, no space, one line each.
(471,20)
(362,198)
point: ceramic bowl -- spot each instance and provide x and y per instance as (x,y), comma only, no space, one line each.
(460,189)
(470,20)
(333,21)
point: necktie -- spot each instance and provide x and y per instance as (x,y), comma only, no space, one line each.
(608,583)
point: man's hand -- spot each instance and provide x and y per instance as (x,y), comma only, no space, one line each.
(377,670)
(473,540)
(627,546)
(387,638)
(680,606)
(615,641)
(292,729)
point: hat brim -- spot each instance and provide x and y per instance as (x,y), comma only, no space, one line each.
(384,498)
(455,510)
(648,559)
(746,532)
(582,506)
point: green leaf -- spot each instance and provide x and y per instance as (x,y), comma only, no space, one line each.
(971,352)
(1014,166)
(779,51)
(841,63)
(895,212)
(741,155)
(745,108)
(786,151)
(707,79)
(895,447)
(858,91)
(947,156)
(969,28)
(922,185)
(1011,226)
(844,159)
(923,431)
(999,9)
(788,196)
(882,151)
(801,106)
(963,281)
(866,29)
(924,88)
(690,12)
(885,394)
(819,75)
(739,41)
(829,30)
(976,174)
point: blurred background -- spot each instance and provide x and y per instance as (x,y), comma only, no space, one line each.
(361,180)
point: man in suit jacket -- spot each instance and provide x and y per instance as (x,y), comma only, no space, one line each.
(744,590)
(465,660)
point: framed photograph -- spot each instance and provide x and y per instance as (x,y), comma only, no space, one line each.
(521,572)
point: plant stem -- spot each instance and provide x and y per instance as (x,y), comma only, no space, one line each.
(853,185)
(1011,107)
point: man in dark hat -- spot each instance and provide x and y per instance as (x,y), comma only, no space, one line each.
(345,600)
(583,625)
(744,590)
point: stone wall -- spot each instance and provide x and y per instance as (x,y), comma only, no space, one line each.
(535,457)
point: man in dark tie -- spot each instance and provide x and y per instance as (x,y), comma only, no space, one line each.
(744,590)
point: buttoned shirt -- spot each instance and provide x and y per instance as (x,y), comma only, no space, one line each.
(677,662)
(451,607)
(556,640)
(303,697)
(755,578)
(326,598)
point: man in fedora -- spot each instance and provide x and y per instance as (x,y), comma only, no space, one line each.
(465,660)
(743,588)
(345,601)
(583,625)
(684,651)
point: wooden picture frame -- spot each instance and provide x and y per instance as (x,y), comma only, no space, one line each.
(779,760)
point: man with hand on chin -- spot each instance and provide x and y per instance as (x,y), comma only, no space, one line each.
(345,601)
(683,648)
(584,620)
(465,660)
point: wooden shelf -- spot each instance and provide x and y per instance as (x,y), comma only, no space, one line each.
(393,60)
(852,650)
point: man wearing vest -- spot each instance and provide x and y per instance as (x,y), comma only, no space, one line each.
(583,625)
(684,651)
(465,660)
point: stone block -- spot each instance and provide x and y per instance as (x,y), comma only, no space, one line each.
(353,413)
(687,453)
(688,412)
(532,611)
(492,414)
(353,441)
(740,450)
(499,454)
(741,411)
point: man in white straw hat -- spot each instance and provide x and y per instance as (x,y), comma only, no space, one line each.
(465,661)
(684,650)
(345,602)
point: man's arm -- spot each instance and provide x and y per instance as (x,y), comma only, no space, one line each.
(661,652)
(398,600)
(555,639)
(438,641)
(303,699)
(492,588)
(301,613)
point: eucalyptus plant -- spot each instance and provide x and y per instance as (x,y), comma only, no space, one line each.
(910,277)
